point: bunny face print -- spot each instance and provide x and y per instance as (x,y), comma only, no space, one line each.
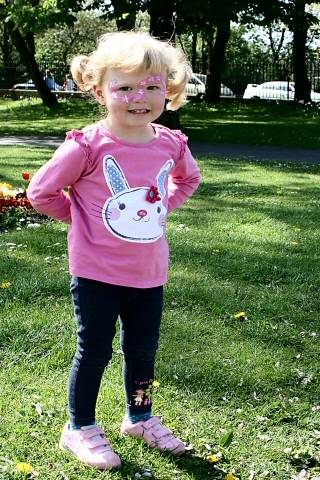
(130,214)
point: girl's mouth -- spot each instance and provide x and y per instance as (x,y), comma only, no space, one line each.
(139,111)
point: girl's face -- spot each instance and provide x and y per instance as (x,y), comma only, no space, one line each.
(133,100)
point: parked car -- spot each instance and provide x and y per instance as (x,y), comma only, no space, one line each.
(196,88)
(278,90)
(29,85)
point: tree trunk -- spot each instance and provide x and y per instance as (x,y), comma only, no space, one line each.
(216,59)
(162,27)
(194,51)
(6,46)
(300,31)
(162,19)
(125,14)
(204,54)
(26,53)
(9,68)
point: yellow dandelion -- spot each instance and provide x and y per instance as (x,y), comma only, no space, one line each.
(4,285)
(240,316)
(24,467)
(155,384)
(230,476)
(294,243)
(213,458)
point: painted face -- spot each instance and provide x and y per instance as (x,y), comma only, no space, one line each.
(132,93)
(133,100)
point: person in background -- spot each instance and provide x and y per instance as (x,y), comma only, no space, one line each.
(69,84)
(50,81)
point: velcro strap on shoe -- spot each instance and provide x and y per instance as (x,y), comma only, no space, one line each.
(94,442)
(91,432)
(162,432)
(151,423)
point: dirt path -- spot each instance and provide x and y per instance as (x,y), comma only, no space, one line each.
(226,150)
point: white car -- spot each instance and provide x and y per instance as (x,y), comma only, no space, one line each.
(29,85)
(196,88)
(274,91)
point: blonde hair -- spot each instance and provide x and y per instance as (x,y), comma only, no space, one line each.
(134,52)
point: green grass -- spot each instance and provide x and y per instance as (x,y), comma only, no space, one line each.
(247,241)
(31,117)
(256,123)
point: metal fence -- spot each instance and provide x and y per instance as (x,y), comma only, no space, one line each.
(235,76)
(16,74)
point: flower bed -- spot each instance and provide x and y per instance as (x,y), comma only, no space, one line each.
(16,210)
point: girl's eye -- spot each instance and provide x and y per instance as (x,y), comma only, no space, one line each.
(122,206)
(153,87)
(124,89)
(159,209)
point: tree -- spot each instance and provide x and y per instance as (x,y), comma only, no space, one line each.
(60,44)
(300,25)
(162,16)
(213,20)
(23,20)
(293,14)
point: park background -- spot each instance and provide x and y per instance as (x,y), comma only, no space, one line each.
(238,365)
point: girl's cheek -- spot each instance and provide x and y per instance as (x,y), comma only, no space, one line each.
(117,97)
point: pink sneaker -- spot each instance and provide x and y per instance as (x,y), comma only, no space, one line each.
(90,446)
(154,434)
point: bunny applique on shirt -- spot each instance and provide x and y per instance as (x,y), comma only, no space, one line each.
(129,214)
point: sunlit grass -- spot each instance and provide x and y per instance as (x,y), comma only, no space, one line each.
(232,121)
(247,241)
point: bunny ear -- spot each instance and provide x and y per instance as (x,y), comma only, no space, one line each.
(162,177)
(114,175)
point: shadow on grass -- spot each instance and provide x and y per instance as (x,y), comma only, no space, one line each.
(255,123)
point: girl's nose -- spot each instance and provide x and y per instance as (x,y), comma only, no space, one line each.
(142,213)
(140,95)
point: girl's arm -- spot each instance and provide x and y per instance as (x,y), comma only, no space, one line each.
(183,180)
(46,189)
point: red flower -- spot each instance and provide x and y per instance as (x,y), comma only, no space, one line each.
(153,195)
(26,176)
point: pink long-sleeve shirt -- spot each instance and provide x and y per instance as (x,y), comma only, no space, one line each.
(119,196)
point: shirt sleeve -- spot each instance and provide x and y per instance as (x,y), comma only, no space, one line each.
(46,189)
(183,179)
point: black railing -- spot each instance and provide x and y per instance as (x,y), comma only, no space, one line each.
(235,77)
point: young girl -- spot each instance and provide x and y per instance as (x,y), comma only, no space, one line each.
(124,174)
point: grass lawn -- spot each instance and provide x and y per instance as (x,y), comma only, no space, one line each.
(256,123)
(247,241)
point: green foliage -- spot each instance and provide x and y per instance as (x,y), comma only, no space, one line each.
(61,44)
(33,17)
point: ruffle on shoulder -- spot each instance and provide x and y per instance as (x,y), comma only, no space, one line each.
(79,137)
(183,139)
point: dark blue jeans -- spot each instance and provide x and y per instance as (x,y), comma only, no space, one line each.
(97,306)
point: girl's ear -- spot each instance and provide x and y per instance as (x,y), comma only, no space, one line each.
(99,95)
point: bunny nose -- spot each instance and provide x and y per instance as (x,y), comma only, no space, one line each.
(142,213)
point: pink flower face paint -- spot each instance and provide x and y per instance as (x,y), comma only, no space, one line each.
(125,93)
